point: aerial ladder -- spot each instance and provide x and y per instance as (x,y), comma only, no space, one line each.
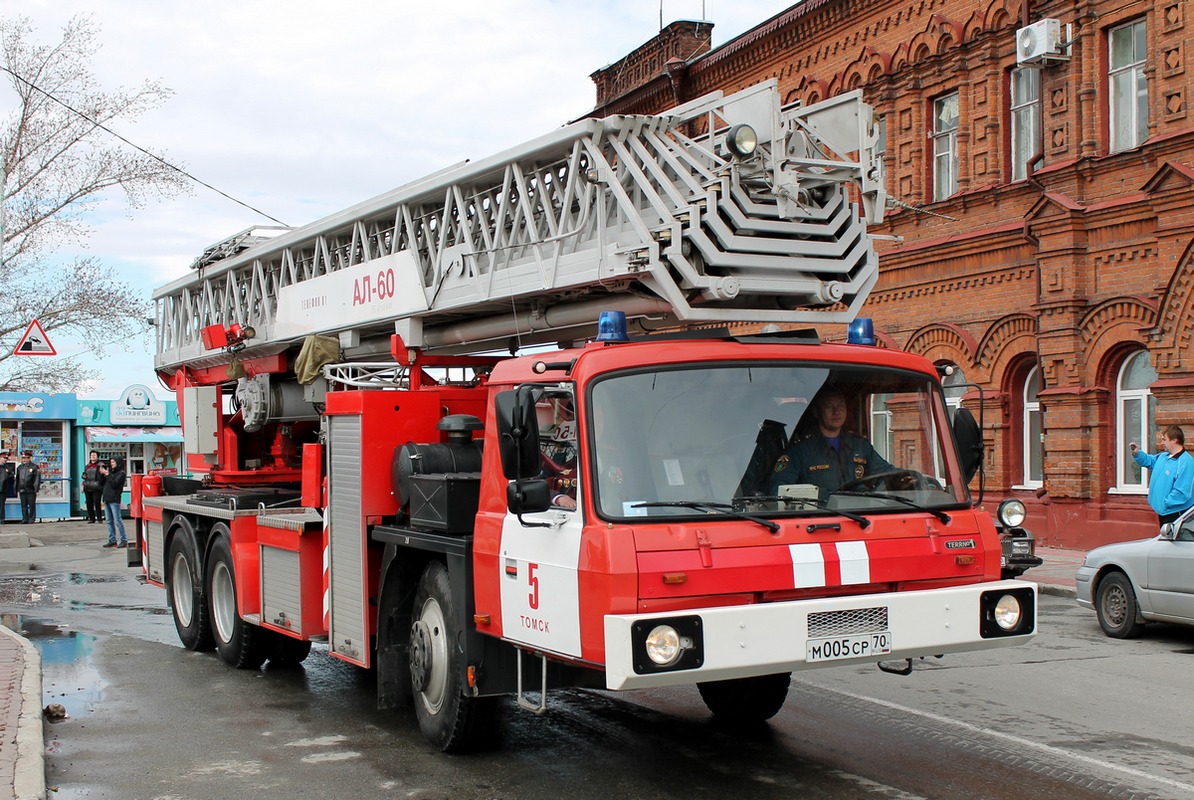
(726,209)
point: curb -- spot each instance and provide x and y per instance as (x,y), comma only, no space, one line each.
(1057,591)
(29,772)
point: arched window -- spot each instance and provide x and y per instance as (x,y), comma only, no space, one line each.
(1135,409)
(1034,438)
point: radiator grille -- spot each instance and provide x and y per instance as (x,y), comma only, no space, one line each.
(842,623)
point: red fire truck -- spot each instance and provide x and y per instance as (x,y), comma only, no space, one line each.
(641,504)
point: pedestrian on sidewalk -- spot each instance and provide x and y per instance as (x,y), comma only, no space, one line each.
(114,478)
(28,485)
(93,489)
(8,471)
(1171,476)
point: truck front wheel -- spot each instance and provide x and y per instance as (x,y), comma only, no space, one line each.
(744,701)
(448,719)
(238,642)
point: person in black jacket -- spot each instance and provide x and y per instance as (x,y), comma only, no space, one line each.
(28,485)
(93,489)
(114,478)
(7,473)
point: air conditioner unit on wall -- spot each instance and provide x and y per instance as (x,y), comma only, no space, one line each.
(1038,42)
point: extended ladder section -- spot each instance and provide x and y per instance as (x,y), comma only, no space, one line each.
(652,215)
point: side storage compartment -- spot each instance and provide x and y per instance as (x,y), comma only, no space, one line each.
(291,550)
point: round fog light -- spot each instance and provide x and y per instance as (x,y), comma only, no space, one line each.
(1007,612)
(663,645)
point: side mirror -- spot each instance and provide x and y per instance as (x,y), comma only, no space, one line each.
(1169,531)
(518,432)
(970,442)
(528,497)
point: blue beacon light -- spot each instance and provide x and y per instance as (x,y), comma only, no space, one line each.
(861,331)
(611,327)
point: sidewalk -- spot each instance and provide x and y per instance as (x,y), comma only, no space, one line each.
(22,735)
(22,742)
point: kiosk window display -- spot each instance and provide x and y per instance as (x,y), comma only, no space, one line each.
(40,423)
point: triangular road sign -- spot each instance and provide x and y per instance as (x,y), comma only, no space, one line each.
(35,342)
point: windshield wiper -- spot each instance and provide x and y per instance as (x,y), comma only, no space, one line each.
(938,513)
(819,505)
(716,508)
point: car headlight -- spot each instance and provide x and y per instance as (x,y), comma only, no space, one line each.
(1007,612)
(1021,547)
(1011,513)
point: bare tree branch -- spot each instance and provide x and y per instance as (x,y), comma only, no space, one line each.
(59,163)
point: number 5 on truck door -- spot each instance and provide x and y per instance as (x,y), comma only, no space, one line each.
(540,595)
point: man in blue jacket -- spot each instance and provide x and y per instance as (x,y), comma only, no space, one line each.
(1171,477)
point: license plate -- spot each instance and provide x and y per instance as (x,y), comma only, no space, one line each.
(855,646)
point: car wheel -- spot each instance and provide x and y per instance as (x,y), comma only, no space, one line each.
(1119,614)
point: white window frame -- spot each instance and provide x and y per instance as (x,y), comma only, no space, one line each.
(1127,85)
(1032,410)
(953,386)
(884,443)
(1025,118)
(945,147)
(1143,436)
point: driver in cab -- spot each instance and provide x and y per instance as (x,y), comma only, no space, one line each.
(828,456)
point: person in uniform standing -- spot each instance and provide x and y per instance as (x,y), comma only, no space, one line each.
(93,488)
(28,485)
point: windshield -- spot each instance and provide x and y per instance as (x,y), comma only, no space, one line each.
(773,440)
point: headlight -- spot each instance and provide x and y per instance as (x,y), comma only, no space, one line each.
(1021,547)
(742,140)
(663,645)
(666,644)
(1011,513)
(1007,612)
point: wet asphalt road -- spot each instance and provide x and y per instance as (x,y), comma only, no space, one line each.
(1072,715)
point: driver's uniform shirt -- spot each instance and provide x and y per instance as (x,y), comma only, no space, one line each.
(813,459)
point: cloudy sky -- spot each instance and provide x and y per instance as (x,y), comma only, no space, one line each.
(299,110)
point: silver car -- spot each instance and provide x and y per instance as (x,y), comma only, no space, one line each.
(1151,580)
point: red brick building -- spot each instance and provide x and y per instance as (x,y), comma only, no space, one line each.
(1045,216)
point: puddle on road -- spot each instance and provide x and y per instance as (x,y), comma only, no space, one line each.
(43,591)
(68,676)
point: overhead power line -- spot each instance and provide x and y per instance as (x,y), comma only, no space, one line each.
(138,148)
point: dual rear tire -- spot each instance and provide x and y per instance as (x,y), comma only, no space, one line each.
(204,604)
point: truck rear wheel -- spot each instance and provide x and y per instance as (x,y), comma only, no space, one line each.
(448,719)
(283,650)
(186,589)
(238,642)
(746,700)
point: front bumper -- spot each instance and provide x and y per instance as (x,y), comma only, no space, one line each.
(1084,584)
(768,638)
